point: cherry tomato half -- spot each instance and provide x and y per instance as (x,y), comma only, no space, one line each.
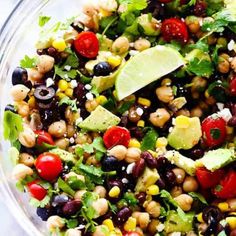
(49,166)
(131,233)
(36,190)
(43,137)
(208,179)
(87,44)
(116,135)
(214,130)
(227,186)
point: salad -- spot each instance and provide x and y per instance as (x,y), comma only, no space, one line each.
(123,122)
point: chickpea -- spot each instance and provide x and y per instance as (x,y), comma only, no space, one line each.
(198,84)
(233,64)
(79,194)
(26,159)
(191,233)
(83,138)
(232,204)
(45,63)
(91,105)
(133,114)
(57,129)
(118,151)
(184,201)
(165,94)
(70,131)
(20,171)
(27,137)
(55,222)
(133,154)
(202,227)
(34,75)
(152,227)
(92,160)
(19,92)
(176,191)
(211,39)
(196,112)
(143,220)
(101,191)
(160,117)
(22,108)
(73,232)
(120,45)
(62,143)
(153,208)
(73,174)
(100,206)
(101,230)
(194,25)
(190,184)
(142,44)
(180,175)
(223,64)
(108,5)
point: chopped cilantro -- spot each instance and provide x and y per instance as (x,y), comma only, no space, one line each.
(76,183)
(28,62)
(149,140)
(72,60)
(201,45)
(199,197)
(130,199)
(72,103)
(43,20)
(36,203)
(215,57)
(67,75)
(12,126)
(72,223)
(125,107)
(65,187)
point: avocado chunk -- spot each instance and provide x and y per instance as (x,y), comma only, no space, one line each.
(181,161)
(99,120)
(148,178)
(175,223)
(64,155)
(187,135)
(216,159)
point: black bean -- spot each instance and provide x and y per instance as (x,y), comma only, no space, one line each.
(71,208)
(161,183)
(113,183)
(162,163)
(123,215)
(80,92)
(141,197)
(170,177)
(138,168)
(124,121)
(59,200)
(110,163)
(232,121)
(196,153)
(102,69)
(44,213)
(212,212)
(149,159)
(136,132)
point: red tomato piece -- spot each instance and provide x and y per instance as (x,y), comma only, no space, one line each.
(174,29)
(232,86)
(36,190)
(227,186)
(43,137)
(214,130)
(116,135)
(131,233)
(208,179)
(49,166)
(87,44)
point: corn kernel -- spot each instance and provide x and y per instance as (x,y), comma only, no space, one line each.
(199,218)
(144,102)
(231,220)
(182,122)
(161,142)
(63,85)
(154,154)
(153,190)
(224,206)
(130,224)
(69,92)
(59,44)
(134,143)
(32,102)
(118,232)
(114,61)
(114,192)
(115,94)
(109,224)
(101,99)
(60,95)
(105,13)
(207,94)
(141,123)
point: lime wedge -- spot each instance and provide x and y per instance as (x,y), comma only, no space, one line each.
(146,67)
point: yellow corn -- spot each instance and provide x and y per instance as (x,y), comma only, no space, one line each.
(63,85)
(182,121)
(105,13)
(130,224)
(199,218)
(60,95)
(117,232)
(231,220)
(114,61)
(144,102)
(161,142)
(134,143)
(153,190)
(32,102)
(69,92)
(224,206)
(114,94)
(207,94)
(114,192)
(154,154)
(141,123)
(109,224)
(101,99)
(59,44)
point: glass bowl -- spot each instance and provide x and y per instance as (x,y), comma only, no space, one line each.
(17,38)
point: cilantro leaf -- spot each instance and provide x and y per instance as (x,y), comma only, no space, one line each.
(76,183)
(149,140)
(72,60)
(99,145)
(134,4)
(28,62)
(43,20)
(199,197)
(36,203)
(125,107)
(72,223)
(65,187)
(67,75)
(201,45)
(12,126)
(72,103)
(130,199)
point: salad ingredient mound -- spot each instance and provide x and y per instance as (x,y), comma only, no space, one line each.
(123,122)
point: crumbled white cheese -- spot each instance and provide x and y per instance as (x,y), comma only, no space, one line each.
(225,114)
(130,168)
(220,106)
(72,140)
(133,52)
(79,120)
(175,234)
(88,86)
(170,129)
(125,181)
(67,67)
(160,227)
(73,83)
(231,45)
(89,96)
(139,111)
(49,82)
(173,121)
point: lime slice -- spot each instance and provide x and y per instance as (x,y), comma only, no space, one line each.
(146,67)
